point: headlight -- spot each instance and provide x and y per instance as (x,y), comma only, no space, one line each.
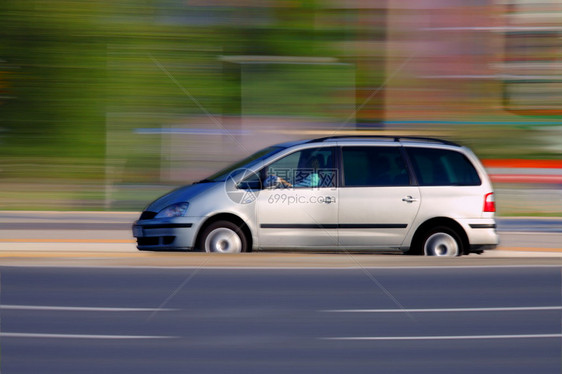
(174,210)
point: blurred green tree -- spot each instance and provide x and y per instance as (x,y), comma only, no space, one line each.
(55,53)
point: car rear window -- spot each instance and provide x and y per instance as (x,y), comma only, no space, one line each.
(442,167)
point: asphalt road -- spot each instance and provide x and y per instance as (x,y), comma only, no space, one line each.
(364,320)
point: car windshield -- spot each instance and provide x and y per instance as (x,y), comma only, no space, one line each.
(248,162)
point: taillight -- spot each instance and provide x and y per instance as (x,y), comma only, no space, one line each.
(489,202)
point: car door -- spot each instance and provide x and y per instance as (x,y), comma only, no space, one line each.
(377,202)
(297,207)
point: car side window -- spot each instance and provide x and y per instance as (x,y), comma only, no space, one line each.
(442,167)
(374,166)
(307,168)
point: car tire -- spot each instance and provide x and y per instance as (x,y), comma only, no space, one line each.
(441,242)
(223,237)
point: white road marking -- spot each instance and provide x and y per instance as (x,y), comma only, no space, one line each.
(442,310)
(82,309)
(79,336)
(459,337)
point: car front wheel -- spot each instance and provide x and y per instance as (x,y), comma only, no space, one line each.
(223,237)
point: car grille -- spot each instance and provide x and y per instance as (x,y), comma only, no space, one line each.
(156,240)
(148,241)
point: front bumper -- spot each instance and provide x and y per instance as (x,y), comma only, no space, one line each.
(155,235)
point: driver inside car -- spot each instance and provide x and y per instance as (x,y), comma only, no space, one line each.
(309,174)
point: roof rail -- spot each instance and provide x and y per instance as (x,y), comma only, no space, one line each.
(389,137)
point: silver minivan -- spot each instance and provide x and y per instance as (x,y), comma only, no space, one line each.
(415,195)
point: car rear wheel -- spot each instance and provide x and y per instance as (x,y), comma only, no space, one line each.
(223,237)
(442,242)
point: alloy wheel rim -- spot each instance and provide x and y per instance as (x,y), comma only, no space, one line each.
(223,240)
(441,244)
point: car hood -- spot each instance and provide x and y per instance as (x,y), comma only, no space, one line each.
(182,194)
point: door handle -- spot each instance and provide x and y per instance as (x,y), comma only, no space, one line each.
(409,199)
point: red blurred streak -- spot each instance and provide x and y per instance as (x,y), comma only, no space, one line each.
(526,178)
(519,163)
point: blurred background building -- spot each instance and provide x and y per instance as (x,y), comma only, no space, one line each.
(107,104)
